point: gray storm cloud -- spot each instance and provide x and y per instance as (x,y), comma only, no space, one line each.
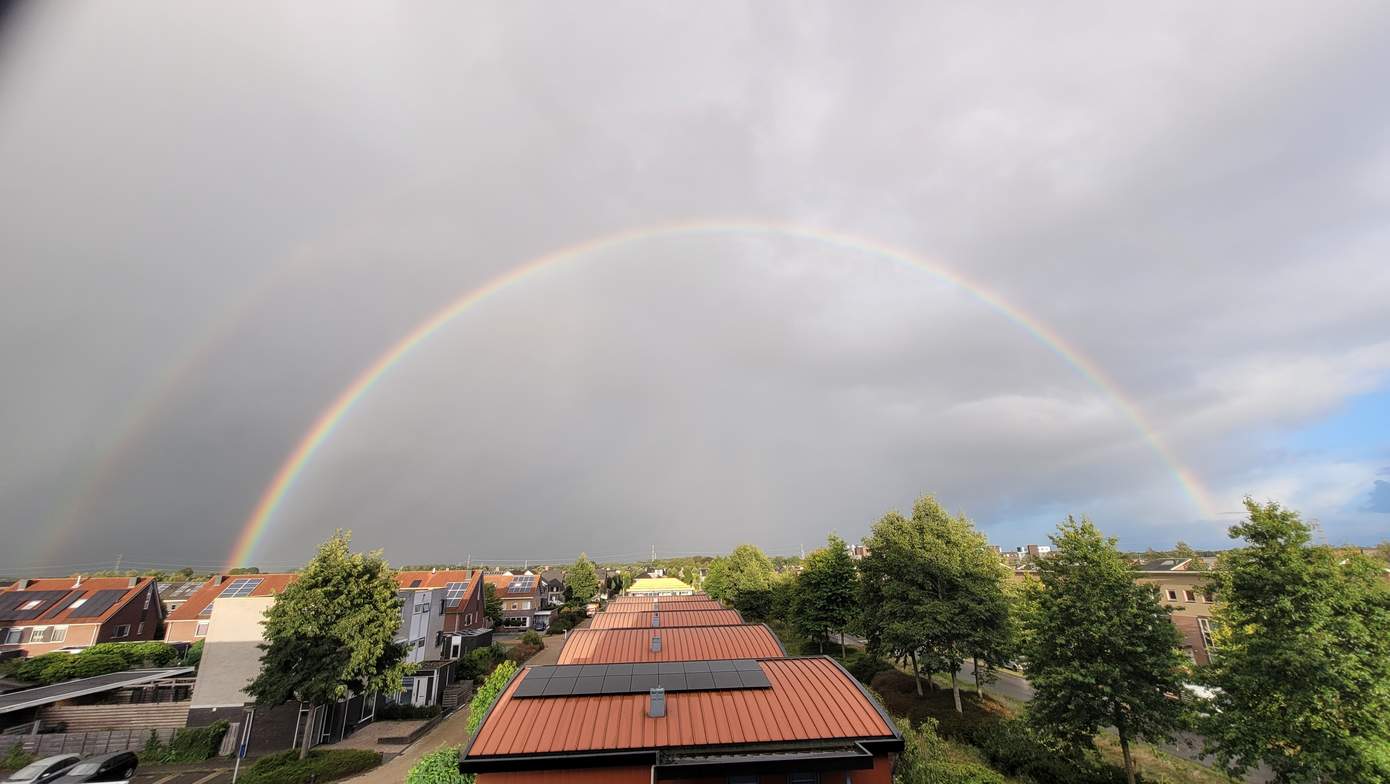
(216,220)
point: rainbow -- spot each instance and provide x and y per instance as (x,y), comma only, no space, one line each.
(284,480)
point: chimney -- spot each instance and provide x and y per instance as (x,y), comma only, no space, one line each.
(656,705)
(22,584)
(656,643)
(132,582)
(221,578)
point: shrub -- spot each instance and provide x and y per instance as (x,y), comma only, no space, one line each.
(480,661)
(488,694)
(195,744)
(15,758)
(1013,748)
(864,667)
(393,711)
(532,638)
(193,655)
(437,767)
(321,765)
(524,651)
(87,665)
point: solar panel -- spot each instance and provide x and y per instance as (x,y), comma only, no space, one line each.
(66,602)
(415,583)
(522,584)
(454,592)
(240,587)
(574,680)
(99,603)
(17,603)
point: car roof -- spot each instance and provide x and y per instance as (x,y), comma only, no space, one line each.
(56,757)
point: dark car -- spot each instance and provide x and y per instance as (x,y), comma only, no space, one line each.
(44,770)
(119,766)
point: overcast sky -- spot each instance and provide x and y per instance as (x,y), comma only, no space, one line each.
(215,218)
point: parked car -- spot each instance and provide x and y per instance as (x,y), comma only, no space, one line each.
(44,770)
(119,766)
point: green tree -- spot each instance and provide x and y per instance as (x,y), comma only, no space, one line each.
(744,579)
(581,581)
(492,604)
(1301,659)
(1184,550)
(826,593)
(332,632)
(933,592)
(1103,650)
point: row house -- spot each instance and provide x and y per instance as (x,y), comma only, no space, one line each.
(693,704)
(521,599)
(190,621)
(465,613)
(72,613)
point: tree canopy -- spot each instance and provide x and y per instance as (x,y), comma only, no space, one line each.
(1102,650)
(331,633)
(581,580)
(1301,660)
(743,578)
(826,593)
(492,603)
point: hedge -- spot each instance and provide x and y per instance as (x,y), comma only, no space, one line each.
(437,767)
(189,744)
(99,659)
(320,766)
(393,711)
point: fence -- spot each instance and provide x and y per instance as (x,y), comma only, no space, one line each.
(102,741)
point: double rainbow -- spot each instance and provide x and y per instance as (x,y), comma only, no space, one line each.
(274,495)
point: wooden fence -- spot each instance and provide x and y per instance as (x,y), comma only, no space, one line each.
(102,741)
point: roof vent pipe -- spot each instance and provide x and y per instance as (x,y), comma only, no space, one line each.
(656,643)
(656,705)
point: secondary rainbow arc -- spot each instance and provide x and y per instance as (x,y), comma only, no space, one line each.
(289,471)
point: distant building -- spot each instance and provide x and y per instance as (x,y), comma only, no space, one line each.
(521,599)
(858,552)
(1181,584)
(189,622)
(659,586)
(465,617)
(49,614)
(173,595)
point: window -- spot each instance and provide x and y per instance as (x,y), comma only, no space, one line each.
(148,596)
(39,635)
(77,603)
(804,778)
(202,630)
(122,631)
(1172,595)
(1208,597)
(31,604)
(58,634)
(468,618)
(743,779)
(140,629)
(12,636)
(1189,596)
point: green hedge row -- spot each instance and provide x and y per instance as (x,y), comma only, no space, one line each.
(321,765)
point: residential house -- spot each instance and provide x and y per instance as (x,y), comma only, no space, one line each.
(1181,584)
(48,614)
(231,661)
(465,616)
(858,552)
(663,603)
(782,720)
(521,599)
(552,588)
(190,621)
(659,586)
(426,646)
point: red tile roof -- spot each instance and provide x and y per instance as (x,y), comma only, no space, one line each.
(500,582)
(643,620)
(438,579)
(809,699)
(62,592)
(191,610)
(690,643)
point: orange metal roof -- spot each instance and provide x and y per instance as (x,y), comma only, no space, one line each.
(192,609)
(643,620)
(664,606)
(74,589)
(810,699)
(689,643)
(698,597)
